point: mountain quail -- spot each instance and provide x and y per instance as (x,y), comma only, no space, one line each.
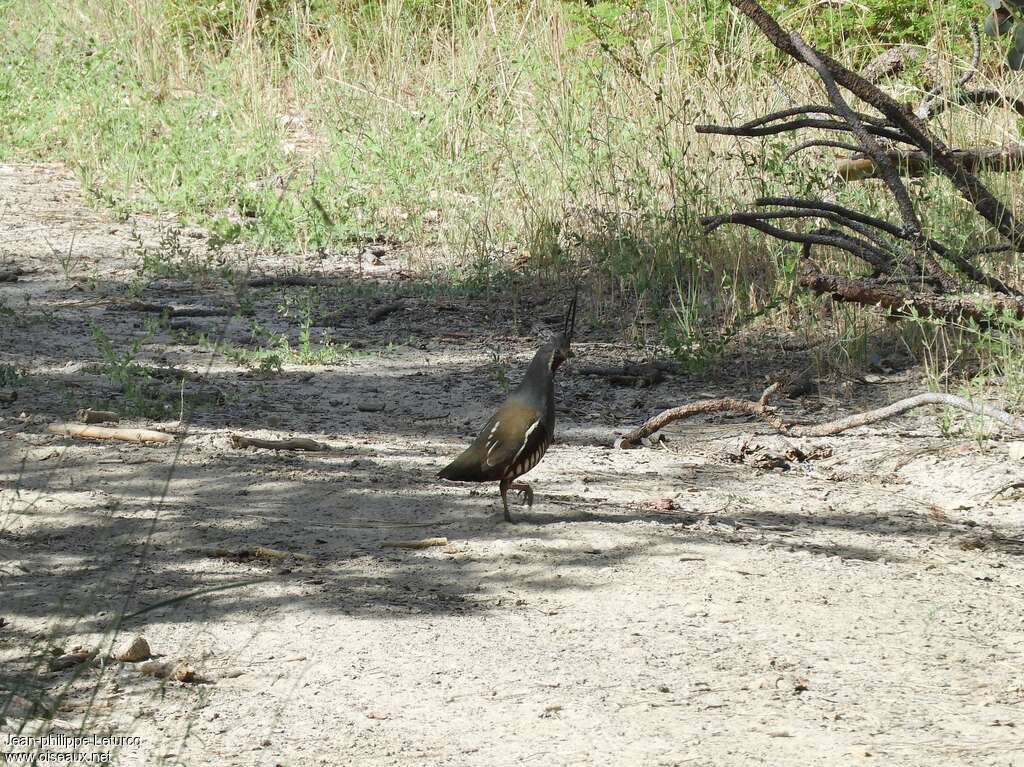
(518,435)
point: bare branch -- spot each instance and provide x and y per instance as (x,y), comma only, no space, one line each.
(792,125)
(992,209)
(983,310)
(821,143)
(761,409)
(961,261)
(865,251)
(917,163)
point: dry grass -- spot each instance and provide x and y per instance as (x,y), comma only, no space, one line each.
(540,138)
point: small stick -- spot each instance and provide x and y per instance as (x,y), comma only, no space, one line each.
(7,397)
(761,409)
(173,311)
(88,415)
(257,552)
(86,431)
(383,311)
(290,281)
(298,443)
(424,543)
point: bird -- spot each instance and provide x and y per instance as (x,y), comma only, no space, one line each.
(519,434)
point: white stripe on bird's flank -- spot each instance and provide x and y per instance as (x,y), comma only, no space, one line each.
(526,440)
(492,443)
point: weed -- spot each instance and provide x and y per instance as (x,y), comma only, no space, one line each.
(121,367)
(11,375)
(499,366)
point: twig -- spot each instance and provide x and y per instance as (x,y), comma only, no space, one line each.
(89,415)
(629,374)
(99,432)
(424,543)
(257,552)
(171,311)
(820,143)
(383,311)
(870,293)
(793,125)
(290,280)
(916,163)
(863,250)
(962,262)
(297,443)
(761,409)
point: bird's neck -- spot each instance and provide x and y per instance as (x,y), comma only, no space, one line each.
(539,379)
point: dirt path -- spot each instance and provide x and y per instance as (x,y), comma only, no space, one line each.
(665,606)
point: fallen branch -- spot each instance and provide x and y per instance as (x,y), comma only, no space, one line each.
(88,415)
(761,409)
(629,374)
(387,309)
(290,281)
(905,123)
(7,397)
(257,552)
(424,543)
(85,431)
(297,443)
(916,163)
(172,311)
(868,292)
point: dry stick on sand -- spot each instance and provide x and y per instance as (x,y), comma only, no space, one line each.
(257,552)
(424,543)
(767,413)
(381,312)
(291,281)
(298,443)
(173,311)
(88,415)
(86,431)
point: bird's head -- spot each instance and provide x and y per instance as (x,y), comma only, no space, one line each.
(561,342)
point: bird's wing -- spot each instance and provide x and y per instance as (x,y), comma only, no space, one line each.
(514,433)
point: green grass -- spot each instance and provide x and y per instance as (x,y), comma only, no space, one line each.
(514,140)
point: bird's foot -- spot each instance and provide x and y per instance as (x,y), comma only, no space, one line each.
(527,492)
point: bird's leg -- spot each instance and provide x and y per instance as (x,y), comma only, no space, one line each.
(526,490)
(504,486)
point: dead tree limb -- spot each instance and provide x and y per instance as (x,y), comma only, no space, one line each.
(897,253)
(915,164)
(988,206)
(761,409)
(298,443)
(86,431)
(385,310)
(873,292)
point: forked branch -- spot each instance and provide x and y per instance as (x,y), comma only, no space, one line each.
(761,409)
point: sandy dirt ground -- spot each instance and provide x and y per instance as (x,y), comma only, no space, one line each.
(706,601)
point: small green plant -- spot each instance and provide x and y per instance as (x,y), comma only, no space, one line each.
(498,367)
(269,350)
(121,367)
(10,375)
(173,258)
